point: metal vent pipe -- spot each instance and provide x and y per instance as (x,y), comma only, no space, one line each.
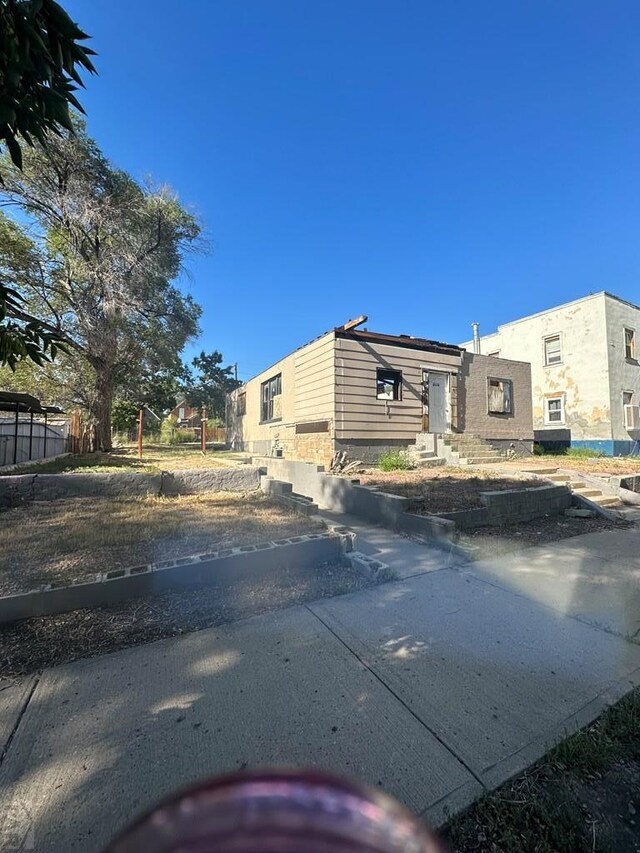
(476,337)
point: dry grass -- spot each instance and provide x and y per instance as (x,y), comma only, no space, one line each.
(606,465)
(67,539)
(155,458)
(445,489)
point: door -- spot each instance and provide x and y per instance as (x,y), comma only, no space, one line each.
(436,406)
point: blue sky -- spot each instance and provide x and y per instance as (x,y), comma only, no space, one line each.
(427,163)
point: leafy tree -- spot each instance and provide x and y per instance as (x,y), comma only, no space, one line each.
(40,58)
(40,55)
(123,415)
(97,265)
(208,383)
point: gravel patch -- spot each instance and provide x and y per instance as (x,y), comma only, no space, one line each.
(34,644)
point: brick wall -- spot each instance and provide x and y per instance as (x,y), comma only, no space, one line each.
(313,447)
(473,401)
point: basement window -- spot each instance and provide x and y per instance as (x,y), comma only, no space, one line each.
(269,390)
(554,410)
(630,344)
(552,350)
(388,384)
(500,396)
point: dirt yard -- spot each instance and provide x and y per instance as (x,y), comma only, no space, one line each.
(488,542)
(33,644)
(605,465)
(155,458)
(445,489)
(66,539)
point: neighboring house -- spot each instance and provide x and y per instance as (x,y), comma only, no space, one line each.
(187,416)
(367,393)
(585,371)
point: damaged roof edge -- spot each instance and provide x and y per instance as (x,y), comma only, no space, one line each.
(405,341)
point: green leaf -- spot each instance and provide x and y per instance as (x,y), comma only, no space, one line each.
(14,150)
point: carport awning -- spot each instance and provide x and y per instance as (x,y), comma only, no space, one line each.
(14,401)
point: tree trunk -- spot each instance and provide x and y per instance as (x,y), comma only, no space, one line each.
(101,410)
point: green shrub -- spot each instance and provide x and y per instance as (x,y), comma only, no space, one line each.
(394,460)
(584,453)
(171,434)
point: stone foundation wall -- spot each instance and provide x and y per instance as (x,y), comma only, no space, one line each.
(369,451)
(48,487)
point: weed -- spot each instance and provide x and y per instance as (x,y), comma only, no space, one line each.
(395,460)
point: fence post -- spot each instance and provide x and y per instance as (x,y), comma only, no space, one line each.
(15,437)
(140,421)
(203,431)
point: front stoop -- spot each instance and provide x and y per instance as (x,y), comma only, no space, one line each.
(467,449)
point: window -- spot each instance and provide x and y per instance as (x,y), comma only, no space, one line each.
(388,384)
(630,344)
(552,350)
(627,398)
(242,403)
(554,410)
(181,413)
(271,389)
(500,396)
(495,354)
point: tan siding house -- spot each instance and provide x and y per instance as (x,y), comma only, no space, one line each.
(367,393)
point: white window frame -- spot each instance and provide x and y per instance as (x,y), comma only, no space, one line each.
(546,338)
(547,400)
(506,383)
(633,356)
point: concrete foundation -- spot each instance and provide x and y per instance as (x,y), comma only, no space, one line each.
(369,451)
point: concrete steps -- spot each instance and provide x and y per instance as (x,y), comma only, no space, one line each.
(469,450)
(578,488)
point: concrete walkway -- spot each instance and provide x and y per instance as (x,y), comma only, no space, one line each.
(433,687)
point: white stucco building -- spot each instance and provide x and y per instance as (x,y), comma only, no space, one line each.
(585,373)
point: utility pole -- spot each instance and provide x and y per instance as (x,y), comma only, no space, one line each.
(203,431)
(235,371)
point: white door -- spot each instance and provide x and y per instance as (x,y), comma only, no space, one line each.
(438,408)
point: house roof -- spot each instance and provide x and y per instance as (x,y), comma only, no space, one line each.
(374,337)
(398,341)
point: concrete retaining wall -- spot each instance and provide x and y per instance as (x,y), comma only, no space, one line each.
(342,495)
(47,487)
(219,568)
(512,507)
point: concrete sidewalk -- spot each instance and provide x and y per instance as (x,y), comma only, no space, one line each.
(434,687)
